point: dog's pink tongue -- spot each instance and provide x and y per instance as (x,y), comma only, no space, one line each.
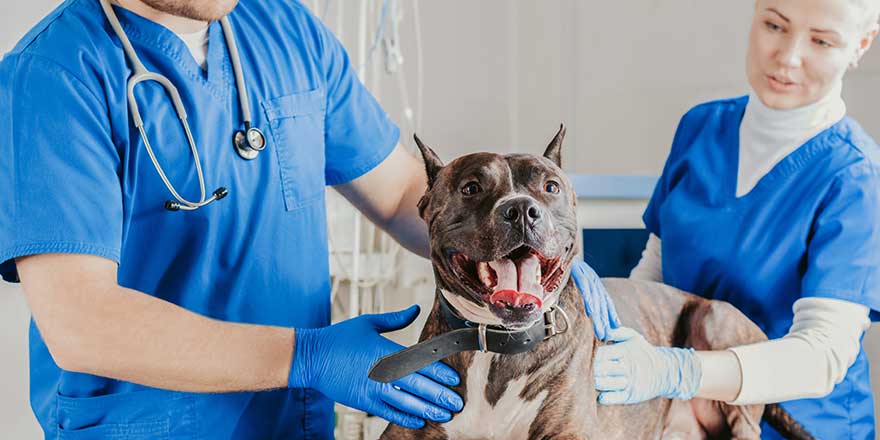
(517,286)
(530,276)
(514,298)
(505,271)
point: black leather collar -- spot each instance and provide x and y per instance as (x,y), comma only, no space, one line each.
(467,336)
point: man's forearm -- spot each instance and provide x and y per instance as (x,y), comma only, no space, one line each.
(131,336)
(407,227)
(389,194)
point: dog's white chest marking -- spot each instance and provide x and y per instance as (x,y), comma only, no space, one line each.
(509,419)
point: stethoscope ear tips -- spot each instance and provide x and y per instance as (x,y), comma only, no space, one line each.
(220,193)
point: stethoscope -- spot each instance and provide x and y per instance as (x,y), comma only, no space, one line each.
(248,142)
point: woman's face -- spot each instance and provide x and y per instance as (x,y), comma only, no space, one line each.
(800,49)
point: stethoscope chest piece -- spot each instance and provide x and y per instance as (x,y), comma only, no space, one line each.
(249,143)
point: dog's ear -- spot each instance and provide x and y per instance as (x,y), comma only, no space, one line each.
(423,205)
(432,162)
(554,150)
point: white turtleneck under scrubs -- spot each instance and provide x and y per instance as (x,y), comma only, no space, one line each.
(824,338)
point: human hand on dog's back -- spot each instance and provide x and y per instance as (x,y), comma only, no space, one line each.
(598,304)
(335,360)
(633,371)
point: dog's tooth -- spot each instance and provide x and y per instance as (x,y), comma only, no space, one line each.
(483,273)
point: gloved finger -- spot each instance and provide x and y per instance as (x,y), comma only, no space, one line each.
(430,391)
(583,284)
(610,383)
(600,322)
(387,412)
(441,373)
(593,301)
(387,322)
(621,334)
(611,353)
(609,368)
(613,317)
(609,315)
(414,405)
(577,273)
(609,312)
(613,398)
(579,277)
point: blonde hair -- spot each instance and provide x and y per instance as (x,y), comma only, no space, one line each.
(871,9)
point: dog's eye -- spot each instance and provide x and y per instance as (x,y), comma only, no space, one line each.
(551,187)
(471,188)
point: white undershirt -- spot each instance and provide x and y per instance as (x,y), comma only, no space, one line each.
(197,43)
(768,135)
(825,336)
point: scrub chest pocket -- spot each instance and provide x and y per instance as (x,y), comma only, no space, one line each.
(296,124)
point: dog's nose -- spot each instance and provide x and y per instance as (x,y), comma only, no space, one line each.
(521,211)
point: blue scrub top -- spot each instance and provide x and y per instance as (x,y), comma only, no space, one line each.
(77,179)
(809,228)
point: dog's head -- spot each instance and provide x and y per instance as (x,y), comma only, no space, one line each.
(503,231)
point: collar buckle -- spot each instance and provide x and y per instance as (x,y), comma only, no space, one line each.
(481,338)
(551,325)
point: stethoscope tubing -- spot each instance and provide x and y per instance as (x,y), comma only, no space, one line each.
(142,74)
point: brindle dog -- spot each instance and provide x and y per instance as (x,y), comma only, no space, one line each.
(503,235)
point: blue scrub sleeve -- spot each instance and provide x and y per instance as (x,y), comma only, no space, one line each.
(667,179)
(843,253)
(651,217)
(359,134)
(58,168)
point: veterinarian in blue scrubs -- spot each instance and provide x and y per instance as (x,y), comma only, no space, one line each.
(160,312)
(771,202)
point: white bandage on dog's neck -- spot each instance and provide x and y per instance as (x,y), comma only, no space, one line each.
(481,314)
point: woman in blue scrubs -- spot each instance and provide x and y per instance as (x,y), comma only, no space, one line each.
(771,202)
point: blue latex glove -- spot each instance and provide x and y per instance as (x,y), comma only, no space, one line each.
(632,370)
(335,360)
(599,306)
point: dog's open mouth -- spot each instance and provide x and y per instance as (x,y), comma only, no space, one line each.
(519,280)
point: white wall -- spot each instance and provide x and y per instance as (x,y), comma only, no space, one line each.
(500,75)
(16,419)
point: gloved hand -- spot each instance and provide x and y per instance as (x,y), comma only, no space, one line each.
(599,306)
(335,360)
(632,370)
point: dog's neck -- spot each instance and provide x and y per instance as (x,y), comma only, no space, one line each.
(538,370)
(468,310)
(567,298)
(480,314)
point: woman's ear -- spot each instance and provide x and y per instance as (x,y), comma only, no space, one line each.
(864,45)
(869,37)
